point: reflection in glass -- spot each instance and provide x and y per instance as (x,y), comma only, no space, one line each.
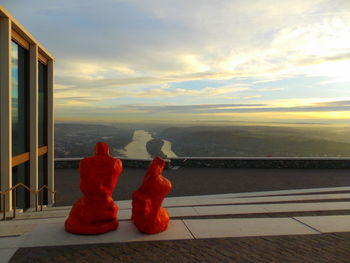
(42,107)
(42,175)
(20,99)
(20,175)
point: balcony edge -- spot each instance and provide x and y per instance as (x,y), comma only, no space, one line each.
(230,162)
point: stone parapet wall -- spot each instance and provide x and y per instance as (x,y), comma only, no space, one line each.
(127,162)
(234,162)
(264,163)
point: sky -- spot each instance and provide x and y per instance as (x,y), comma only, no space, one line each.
(195,60)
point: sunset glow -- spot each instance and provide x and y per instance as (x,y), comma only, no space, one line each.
(160,60)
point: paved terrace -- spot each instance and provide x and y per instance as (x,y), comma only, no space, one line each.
(218,215)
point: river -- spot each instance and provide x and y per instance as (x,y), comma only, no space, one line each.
(166,149)
(137,148)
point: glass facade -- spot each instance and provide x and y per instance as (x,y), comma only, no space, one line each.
(42,175)
(20,99)
(42,126)
(20,175)
(17,125)
(42,107)
(20,119)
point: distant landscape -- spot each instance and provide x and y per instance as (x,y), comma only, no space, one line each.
(139,140)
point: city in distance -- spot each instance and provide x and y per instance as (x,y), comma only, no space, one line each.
(216,139)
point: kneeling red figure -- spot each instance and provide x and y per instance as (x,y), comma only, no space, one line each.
(148,214)
(96,212)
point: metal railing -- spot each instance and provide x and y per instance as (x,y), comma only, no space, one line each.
(14,190)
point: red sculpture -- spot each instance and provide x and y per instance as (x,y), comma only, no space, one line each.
(147,214)
(96,212)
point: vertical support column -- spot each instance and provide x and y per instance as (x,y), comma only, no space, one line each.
(50,132)
(33,121)
(5,109)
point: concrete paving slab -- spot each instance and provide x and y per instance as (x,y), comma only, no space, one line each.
(284,192)
(124,214)
(198,200)
(35,221)
(183,202)
(216,228)
(229,210)
(11,242)
(47,211)
(265,193)
(6,254)
(58,207)
(12,230)
(55,235)
(123,204)
(181,211)
(43,214)
(220,198)
(204,201)
(299,207)
(252,209)
(327,224)
(289,198)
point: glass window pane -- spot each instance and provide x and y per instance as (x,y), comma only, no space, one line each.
(20,99)
(20,175)
(42,107)
(42,175)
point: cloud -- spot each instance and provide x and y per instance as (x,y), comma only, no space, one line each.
(243,108)
(229,108)
(189,108)
(143,49)
(319,59)
(69,96)
(242,97)
(317,111)
(339,103)
(269,89)
(194,40)
(168,91)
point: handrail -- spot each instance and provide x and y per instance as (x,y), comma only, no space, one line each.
(36,192)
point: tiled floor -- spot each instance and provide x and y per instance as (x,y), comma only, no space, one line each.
(325,248)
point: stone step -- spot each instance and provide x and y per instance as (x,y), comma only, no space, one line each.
(54,234)
(195,211)
(214,200)
(19,211)
(216,205)
(269,199)
(224,204)
(225,201)
(269,193)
